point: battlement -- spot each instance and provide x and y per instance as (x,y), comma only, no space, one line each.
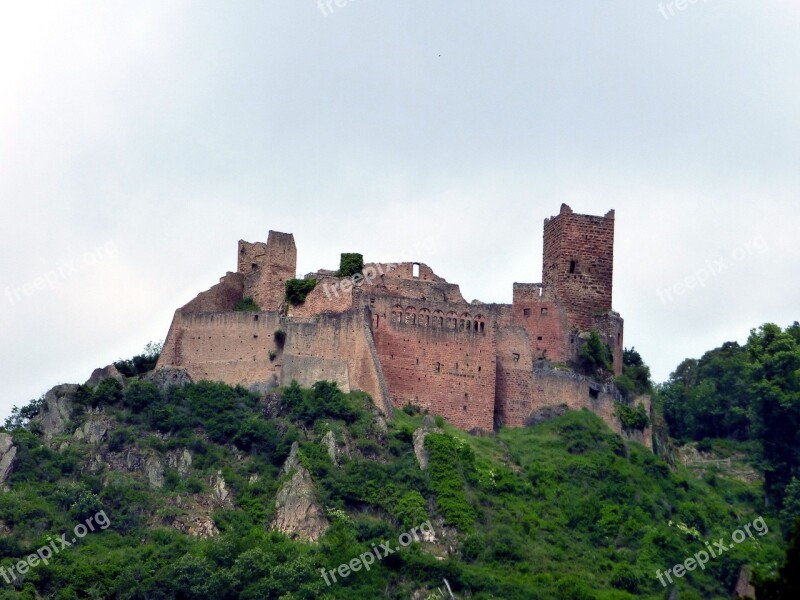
(406,335)
(578,263)
(267,267)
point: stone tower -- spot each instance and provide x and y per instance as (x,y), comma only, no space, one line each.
(579,264)
(267,267)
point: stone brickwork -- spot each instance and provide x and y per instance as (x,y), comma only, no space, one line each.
(579,263)
(405,335)
(267,267)
(437,356)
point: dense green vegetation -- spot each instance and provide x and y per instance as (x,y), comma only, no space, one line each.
(141,363)
(566,509)
(298,289)
(594,357)
(749,392)
(635,377)
(350,264)
(247,305)
(563,509)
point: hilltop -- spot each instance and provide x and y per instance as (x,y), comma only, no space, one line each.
(212,491)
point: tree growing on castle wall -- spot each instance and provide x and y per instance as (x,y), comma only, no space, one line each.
(298,289)
(350,263)
(594,358)
(635,378)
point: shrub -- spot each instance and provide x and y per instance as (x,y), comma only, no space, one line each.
(119,439)
(411,409)
(298,289)
(594,357)
(247,305)
(633,418)
(350,263)
(141,363)
(272,355)
(141,394)
(108,391)
(625,385)
(325,399)
(449,460)
(411,509)
(194,485)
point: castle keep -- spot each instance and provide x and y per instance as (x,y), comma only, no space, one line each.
(405,335)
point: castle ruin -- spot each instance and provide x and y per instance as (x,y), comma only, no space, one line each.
(406,336)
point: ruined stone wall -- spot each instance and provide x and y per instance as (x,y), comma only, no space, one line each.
(267,267)
(346,337)
(537,310)
(397,279)
(220,297)
(449,371)
(553,387)
(579,263)
(331,295)
(234,347)
(610,327)
(513,382)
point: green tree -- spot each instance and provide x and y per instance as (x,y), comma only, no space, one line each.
(350,264)
(594,357)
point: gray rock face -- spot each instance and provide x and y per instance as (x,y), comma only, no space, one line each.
(169,376)
(94,430)
(428,426)
(57,410)
(219,492)
(181,460)
(154,470)
(329,442)
(298,514)
(131,460)
(8,455)
(336,451)
(99,375)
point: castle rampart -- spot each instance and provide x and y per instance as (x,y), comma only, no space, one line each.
(405,335)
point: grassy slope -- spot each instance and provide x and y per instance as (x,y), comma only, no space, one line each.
(561,510)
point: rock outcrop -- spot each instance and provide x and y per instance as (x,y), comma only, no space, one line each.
(180,460)
(109,372)
(8,455)
(57,410)
(94,430)
(337,452)
(219,492)
(167,377)
(194,515)
(132,460)
(298,514)
(428,426)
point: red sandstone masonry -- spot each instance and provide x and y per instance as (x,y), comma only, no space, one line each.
(406,335)
(579,263)
(448,372)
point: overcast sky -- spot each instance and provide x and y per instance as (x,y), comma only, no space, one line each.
(139,141)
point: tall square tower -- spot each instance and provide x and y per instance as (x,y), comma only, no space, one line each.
(578,264)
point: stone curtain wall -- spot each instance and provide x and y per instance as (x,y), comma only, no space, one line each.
(234,347)
(449,371)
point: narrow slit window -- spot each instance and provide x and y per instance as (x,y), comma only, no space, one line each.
(415,270)
(572,266)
